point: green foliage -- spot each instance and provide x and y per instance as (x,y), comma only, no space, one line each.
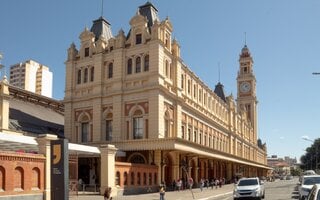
(311,159)
(296,172)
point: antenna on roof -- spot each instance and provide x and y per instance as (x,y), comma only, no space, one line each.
(102,8)
(219,71)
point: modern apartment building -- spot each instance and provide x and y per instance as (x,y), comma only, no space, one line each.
(32,76)
(134,91)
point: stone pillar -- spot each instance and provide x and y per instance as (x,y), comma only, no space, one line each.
(229,171)
(45,149)
(4,104)
(157,161)
(107,168)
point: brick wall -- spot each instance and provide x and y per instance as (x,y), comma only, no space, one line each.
(21,173)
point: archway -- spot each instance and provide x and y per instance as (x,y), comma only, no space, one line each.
(168,169)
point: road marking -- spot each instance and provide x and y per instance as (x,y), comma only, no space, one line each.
(215,196)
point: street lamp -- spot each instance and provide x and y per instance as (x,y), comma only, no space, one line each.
(316,147)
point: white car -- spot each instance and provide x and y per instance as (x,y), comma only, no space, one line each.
(314,194)
(306,184)
(249,188)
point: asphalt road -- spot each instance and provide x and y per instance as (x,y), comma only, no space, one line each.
(278,190)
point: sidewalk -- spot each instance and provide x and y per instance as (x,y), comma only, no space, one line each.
(206,194)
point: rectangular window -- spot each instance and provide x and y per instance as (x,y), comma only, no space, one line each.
(182,132)
(85,132)
(182,81)
(138,39)
(137,128)
(86,52)
(109,130)
(110,70)
(92,74)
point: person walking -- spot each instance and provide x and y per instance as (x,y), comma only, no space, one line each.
(190,182)
(201,184)
(107,194)
(162,193)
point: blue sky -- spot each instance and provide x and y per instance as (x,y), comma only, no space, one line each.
(283,37)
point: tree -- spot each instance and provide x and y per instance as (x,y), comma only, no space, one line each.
(311,159)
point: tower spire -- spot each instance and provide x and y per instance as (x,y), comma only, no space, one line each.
(102,8)
(245,38)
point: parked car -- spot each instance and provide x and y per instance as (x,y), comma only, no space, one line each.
(249,188)
(306,184)
(314,194)
(289,177)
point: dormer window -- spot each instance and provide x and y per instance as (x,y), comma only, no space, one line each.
(86,52)
(138,38)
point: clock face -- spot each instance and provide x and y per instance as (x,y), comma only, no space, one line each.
(245,87)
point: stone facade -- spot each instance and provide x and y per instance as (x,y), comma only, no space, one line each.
(135,92)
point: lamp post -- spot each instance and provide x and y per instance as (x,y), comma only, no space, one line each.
(316,147)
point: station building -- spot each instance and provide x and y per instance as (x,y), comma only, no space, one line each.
(134,91)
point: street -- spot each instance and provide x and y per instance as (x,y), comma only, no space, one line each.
(278,190)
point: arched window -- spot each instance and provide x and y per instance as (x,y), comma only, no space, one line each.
(138,125)
(138,65)
(18,179)
(84,128)
(2,178)
(79,76)
(117,178)
(136,158)
(129,66)
(35,178)
(92,74)
(146,63)
(85,79)
(132,178)
(125,178)
(109,127)
(110,70)
(85,132)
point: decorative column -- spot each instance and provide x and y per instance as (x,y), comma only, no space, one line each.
(157,161)
(4,104)
(229,171)
(44,148)
(107,168)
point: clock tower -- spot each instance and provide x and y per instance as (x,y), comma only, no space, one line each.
(246,81)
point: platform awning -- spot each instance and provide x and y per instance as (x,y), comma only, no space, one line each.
(18,142)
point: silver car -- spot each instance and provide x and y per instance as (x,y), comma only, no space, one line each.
(249,188)
(306,184)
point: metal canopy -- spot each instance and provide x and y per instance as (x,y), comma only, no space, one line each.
(17,142)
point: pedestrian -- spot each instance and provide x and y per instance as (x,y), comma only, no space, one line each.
(201,184)
(162,193)
(207,183)
(179,183)
(217,183)
(190,182)
(107,194)
(212,183)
